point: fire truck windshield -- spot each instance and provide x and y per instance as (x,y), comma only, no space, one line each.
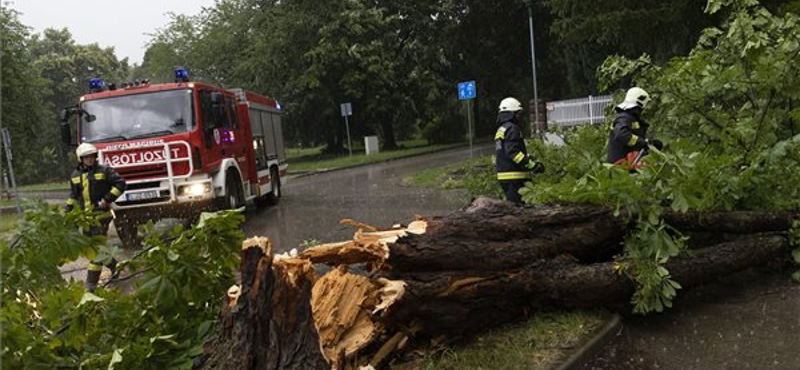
(137,116)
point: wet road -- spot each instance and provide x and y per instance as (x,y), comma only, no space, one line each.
(746,321)
(312,206)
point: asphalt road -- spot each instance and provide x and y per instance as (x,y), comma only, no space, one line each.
(750,320)
(312,206)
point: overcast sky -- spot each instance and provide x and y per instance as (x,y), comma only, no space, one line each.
(122,24)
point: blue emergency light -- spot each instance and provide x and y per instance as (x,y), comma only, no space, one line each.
(181,74)
(278,105)
(96,84)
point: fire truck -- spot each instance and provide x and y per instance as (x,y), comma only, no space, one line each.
(182,147)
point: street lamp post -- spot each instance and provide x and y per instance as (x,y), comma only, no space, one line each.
(535,124)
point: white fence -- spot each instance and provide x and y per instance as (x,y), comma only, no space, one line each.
(573,112)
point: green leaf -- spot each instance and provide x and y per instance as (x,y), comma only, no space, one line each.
(150,284)
(116,358)
(679,202)
(203,329)
(653,218)
(163,338)
(172,255)
(89,297)
(796,255)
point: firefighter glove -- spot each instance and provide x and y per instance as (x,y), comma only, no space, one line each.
(535,166)
(656,144)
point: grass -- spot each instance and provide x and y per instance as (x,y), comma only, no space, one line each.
(539,343)
(8,224)
(9,202)
(477,176)
(295,153)
(316,161)
(46,186)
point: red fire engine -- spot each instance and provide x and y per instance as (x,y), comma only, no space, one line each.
(182,147)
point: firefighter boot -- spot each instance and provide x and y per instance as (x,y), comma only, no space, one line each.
(93,276)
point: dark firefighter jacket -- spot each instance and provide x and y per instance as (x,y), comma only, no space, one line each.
(88,185)
(512,160)
(628,134)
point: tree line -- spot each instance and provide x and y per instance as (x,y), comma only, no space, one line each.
(398,63)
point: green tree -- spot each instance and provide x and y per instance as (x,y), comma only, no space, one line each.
(28,120)
(729,114)
(67,68)
(170,47)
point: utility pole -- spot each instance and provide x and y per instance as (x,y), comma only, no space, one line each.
(535,125)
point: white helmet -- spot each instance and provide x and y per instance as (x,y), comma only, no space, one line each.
(510,105)
(635,97)
(85,149)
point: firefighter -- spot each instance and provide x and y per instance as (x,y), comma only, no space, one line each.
(514,165)
(94,186)
(627,140)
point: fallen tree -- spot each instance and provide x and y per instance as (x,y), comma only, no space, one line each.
(444,277)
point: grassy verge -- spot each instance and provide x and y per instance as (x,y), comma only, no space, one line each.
(477,176)
(47,186)
(539,343)
(9,202)
(322,162)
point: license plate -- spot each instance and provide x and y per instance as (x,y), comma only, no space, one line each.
(144,195)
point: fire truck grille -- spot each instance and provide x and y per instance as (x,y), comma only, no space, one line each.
(143,172)
(144,185)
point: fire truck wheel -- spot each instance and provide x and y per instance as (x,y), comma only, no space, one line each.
(234,197)
(128,233)
(275,195)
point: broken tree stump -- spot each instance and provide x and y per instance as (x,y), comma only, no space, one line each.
(266,323)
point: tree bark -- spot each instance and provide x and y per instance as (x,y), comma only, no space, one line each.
(455,303)
(736,222)
(267,322)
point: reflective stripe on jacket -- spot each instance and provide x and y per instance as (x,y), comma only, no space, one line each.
(628,134)
(511,157)
(89,185)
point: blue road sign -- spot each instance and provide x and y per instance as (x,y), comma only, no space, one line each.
(466,90)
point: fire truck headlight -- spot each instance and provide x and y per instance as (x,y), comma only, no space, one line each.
(195,189)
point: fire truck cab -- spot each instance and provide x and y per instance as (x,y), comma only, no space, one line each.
(182,147)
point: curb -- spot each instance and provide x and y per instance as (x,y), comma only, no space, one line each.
(593,346)
(319,172)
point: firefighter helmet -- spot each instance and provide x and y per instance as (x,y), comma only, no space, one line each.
(85,149)
(635,97)
(510,105)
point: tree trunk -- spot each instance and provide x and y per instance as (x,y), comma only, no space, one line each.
(738,222)
(455,303)
(267,323)
(389,142)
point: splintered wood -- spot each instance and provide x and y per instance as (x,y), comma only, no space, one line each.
(342,304)
(366,247)
(390,289)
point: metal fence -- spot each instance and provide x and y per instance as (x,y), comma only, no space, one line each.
(574,112)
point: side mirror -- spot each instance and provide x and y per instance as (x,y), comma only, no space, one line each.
(66,134)
(63,116)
